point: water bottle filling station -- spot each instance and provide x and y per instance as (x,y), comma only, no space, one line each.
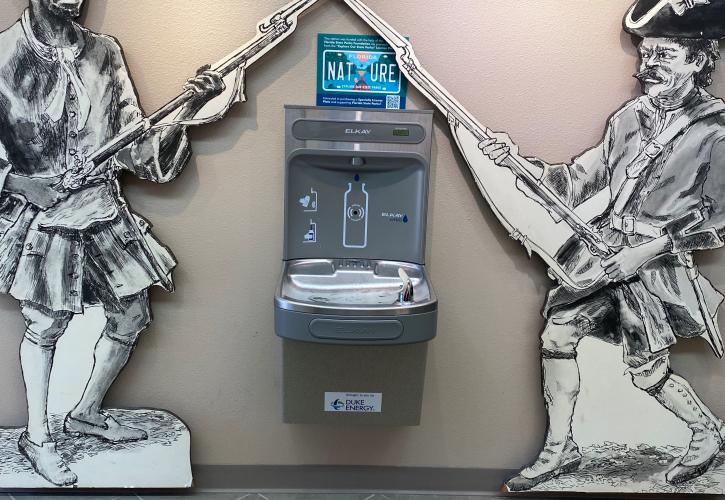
(354,284)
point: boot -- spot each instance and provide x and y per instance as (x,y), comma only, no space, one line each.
(555,459)
(719,424)
(677,396)
(560,454)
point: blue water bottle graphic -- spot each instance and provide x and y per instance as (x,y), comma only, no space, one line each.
(355,225)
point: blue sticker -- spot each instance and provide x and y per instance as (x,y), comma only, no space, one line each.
(358,71)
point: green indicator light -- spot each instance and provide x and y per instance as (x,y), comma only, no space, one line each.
(401,132)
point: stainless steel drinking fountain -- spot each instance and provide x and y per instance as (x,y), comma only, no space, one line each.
(354,305)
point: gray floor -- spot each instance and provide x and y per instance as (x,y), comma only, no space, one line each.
(241,495)
(258,496)
(230,495)
(267,496)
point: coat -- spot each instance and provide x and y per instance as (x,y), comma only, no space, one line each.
(681,193)
(56,107)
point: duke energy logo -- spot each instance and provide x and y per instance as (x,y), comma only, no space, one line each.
(353,402)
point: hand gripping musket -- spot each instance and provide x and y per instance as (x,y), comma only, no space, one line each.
(579,275)
(271,31)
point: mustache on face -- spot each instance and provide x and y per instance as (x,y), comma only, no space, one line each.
(649,76)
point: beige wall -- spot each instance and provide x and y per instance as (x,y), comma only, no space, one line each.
(547,71)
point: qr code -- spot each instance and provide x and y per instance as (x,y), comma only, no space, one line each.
(392,102)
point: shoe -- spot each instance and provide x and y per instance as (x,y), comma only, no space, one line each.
(701,453)
(551,462)
(111,430)
(46,461)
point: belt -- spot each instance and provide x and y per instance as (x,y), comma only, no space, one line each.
(629,226)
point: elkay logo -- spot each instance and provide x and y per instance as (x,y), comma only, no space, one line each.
(358,131)
(353,402)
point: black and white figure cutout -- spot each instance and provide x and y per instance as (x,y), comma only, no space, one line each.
(65,92)
(70,122)
(617,227)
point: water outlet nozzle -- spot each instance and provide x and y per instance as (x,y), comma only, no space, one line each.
(405,296)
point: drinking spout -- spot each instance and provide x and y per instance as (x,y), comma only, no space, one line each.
(405,296)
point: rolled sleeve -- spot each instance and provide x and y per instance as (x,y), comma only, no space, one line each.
(160,157)
(160,154)
(554,178)
(558,179)
(587,175)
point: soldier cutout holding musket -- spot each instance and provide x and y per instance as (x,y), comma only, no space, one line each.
(663,157)
(64,92)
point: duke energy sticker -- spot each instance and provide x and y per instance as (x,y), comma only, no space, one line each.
(354,402)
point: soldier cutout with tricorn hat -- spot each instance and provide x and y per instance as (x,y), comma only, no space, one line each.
(663,159)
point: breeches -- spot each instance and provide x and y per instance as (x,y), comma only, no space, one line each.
(612,316)
(125,320)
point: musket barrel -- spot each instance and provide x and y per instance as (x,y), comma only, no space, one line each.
(280,24)
(106,152)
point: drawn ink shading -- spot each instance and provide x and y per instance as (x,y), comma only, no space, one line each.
(617,228)
(70,123)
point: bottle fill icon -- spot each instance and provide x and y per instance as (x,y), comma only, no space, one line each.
(355,224)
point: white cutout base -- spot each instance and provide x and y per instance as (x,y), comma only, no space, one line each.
(162,461)
(628,440)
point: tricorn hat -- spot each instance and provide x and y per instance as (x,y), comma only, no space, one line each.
(660,18)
